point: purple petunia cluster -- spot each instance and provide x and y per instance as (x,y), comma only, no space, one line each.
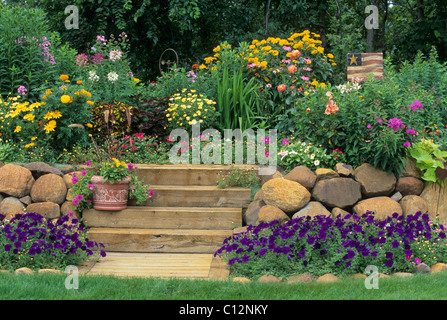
(30,240)
(337,243)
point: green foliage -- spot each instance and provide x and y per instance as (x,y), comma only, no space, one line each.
(149,116)
(300,153)
(238,177)
(107,72)
(237,100)
(428,158)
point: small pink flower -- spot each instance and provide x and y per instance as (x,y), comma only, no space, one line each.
(267,153)
(74,180)
(295,54)
(285,142)
(305,78)
(407,144)
(83,173)
(417,260)
(87,163)
(75,201)
(292,68)
(90,186)
(286,48)
(281,88)
(130,166)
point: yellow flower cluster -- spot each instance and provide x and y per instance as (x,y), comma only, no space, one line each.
(188,107)
(118,163)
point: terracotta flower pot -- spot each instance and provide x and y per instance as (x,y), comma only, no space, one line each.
(110,196)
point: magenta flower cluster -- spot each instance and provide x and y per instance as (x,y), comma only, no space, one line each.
(345,242)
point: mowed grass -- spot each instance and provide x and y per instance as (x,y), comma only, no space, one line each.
(53,287)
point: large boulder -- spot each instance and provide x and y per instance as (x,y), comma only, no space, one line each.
(10,206)
(251,214)
(382,207)
(40,168)
(337,192)
(436,198)
(270,213)
(411,170)
(374,182)
(49,188)
(312,209)
(287,195)
(15,180)
(303,175)
(411,204)
(344,170)
(409,185)
(324,173)
(49,210)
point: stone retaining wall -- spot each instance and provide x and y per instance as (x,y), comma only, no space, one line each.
(36,187)
(346,190)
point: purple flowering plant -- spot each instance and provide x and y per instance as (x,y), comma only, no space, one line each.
(340,245)
(30,240)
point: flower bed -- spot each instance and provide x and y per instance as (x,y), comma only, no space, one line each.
(340,245)
(29,240)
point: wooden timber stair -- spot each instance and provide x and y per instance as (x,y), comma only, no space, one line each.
(188,213)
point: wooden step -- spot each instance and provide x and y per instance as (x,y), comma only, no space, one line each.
(159,240)
(197,196)
(166,218)
(184,174)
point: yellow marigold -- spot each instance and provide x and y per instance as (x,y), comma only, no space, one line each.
(64,77)
(57,114)
(18,129)
(65,98)
(79,82)
(50,126)
(90,102)
(330,56)
(29,117)
(89,125)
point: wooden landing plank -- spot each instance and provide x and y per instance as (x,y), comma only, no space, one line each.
(154,265)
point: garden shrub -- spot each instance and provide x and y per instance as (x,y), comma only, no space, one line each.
(340,245)
(299,153)
(30,54)
(107,73)
(375,121)
(238,177)
(149,116)
(29,240)
(285,69)
(188,108)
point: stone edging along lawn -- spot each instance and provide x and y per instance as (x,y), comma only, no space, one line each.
(329,277)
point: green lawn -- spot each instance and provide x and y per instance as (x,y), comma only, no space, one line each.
(52,287)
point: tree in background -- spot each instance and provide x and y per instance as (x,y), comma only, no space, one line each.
(194,27)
